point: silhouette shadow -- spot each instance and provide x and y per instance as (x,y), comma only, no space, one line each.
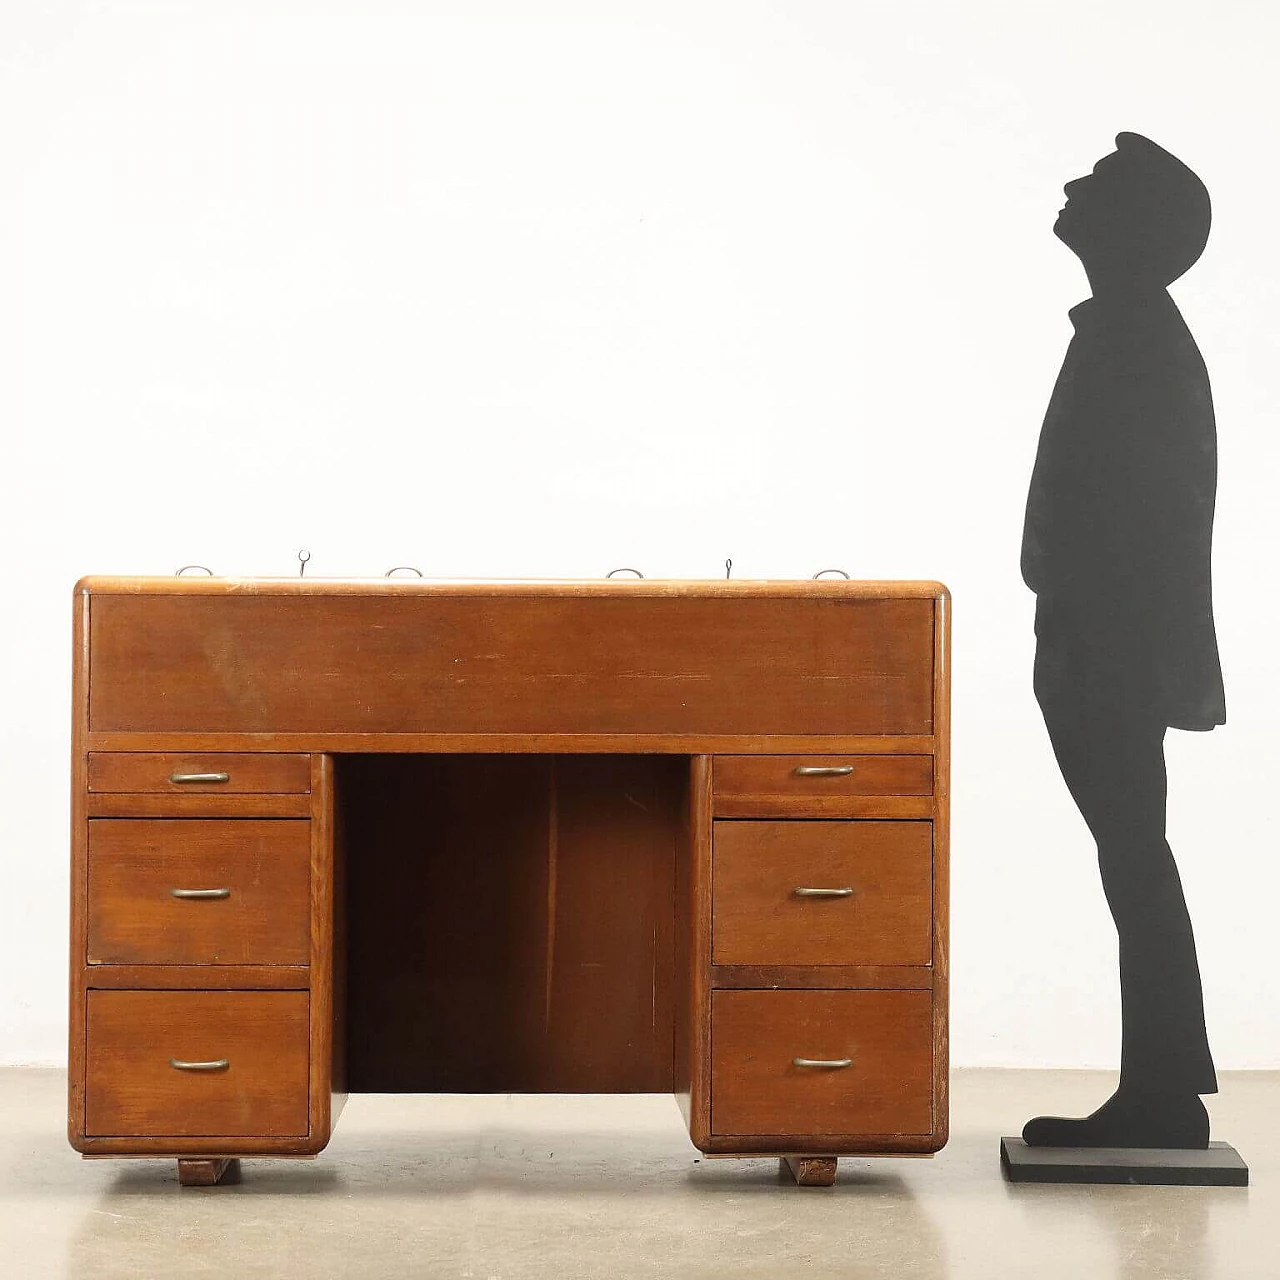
(1116,548)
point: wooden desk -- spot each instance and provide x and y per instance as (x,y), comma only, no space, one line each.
(556,837)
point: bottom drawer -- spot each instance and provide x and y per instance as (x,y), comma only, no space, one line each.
(253,1051)
(757,1088)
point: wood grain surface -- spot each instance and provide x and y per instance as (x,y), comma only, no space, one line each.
(135,864)
(768,785)
(516,663)
(759,919)
(133,1089)
(510,922)
(143,804)
(756,1089)
(811,1171)
(154,771)
(508,791)
(693,956)
(208,1173)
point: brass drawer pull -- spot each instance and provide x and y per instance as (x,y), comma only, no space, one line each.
(823,770)
(822,893)
(832,1064)
(200,894)
(199,777)
(218,1064)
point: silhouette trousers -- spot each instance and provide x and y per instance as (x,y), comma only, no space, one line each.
(1108,737)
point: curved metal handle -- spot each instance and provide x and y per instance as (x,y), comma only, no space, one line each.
(200,894)
(823,893)
(613,571)
(841,572)
(823,770)
(181,778)
(403,568)
(831,1064)
(177,573)
(218,1064)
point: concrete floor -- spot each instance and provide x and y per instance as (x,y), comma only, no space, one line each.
(449,1186)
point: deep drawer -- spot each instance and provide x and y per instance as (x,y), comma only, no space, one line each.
(757,1088)
(815,786)
(220,773)
(822,893)
(199,891)
(245,1056)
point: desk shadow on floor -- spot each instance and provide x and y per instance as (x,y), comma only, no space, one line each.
(507,1159)
(508,1201)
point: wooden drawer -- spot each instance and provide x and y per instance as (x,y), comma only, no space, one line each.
(263,917)
(758,918)
(767,786)
(222,773)
(756,1088)
(133,1090)
(634,658)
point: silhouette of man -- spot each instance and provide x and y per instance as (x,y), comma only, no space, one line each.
(1116,548)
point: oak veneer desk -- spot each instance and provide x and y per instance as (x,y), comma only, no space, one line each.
(559,837)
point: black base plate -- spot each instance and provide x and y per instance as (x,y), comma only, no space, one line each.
(1219,1166)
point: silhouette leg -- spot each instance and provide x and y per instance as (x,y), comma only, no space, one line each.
(1112,760)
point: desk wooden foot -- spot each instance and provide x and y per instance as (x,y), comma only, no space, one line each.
(207,1173)
(811,1171)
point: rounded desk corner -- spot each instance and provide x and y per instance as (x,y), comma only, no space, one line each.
(316,1143)
(938,1139)
(700,1135)
(75,1137)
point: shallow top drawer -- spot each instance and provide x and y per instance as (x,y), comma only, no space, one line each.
(753,786)
(220,773)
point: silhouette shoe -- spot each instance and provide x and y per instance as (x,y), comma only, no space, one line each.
(1129,1118)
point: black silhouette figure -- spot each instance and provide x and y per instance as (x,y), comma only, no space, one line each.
(1116,548)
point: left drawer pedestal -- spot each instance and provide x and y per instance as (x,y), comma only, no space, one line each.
(202,996)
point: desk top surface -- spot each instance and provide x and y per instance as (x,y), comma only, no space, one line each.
(837,588)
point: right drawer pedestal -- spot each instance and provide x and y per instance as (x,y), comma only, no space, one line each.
(824,1027)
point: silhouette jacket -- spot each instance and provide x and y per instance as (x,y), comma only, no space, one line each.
(1119,519)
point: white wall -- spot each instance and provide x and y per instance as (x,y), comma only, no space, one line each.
(647,283)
